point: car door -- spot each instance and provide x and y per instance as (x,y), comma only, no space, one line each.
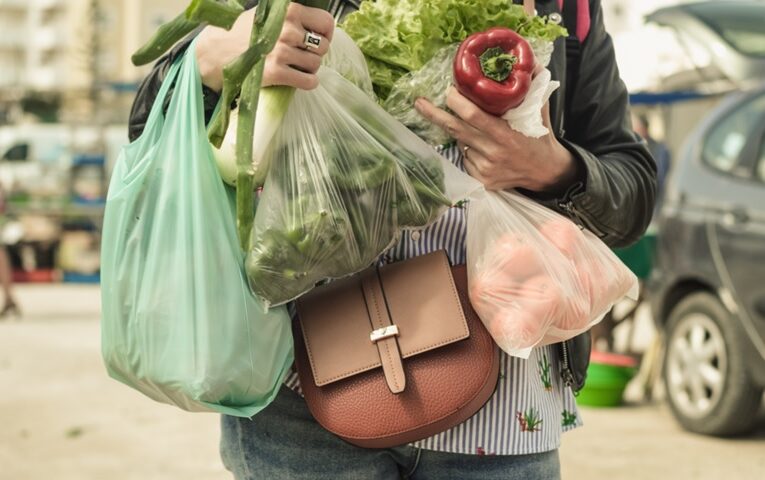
(736,228)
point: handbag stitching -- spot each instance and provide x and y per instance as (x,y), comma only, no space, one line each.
(436,420)
(421,425)
(310,355)
(311,362)
(465,331)
(378,322)
(371,366)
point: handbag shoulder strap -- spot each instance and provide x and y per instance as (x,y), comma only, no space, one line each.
(576,17)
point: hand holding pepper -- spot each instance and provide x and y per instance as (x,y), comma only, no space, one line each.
(498,156)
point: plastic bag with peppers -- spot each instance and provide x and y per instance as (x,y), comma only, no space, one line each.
(345,179)
(498,70)
(534,277)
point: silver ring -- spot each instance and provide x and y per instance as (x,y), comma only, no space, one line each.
(312,40)
(465,150)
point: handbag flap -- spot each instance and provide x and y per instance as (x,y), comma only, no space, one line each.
(422,302)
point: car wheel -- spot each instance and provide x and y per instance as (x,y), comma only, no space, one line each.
(705,376)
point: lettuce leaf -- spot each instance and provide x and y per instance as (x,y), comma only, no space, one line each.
(398,36)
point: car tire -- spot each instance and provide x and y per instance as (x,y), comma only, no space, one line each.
(724,403)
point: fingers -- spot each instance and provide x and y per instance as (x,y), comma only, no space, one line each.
(470,112)
(291,63)
(476,165)
(294,36)
(453,126)
(312,19)
(280,74)
(296,58)
(546,116)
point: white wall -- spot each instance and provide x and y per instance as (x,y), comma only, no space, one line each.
(645,53)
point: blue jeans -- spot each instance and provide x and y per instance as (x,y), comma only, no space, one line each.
(284,442)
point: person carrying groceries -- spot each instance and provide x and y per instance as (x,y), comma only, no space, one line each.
(596,171)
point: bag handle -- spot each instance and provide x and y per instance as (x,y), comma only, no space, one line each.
(167,83)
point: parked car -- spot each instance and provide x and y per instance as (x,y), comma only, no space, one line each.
(707,288)
(709,48)
(722,41)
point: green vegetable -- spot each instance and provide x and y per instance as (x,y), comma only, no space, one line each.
(421,204)
(281,261)
(221,15)
(242,79)
(399,36)
(272,106)
(329,227)
(359,164)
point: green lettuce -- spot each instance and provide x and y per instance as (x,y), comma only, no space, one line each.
(398,36)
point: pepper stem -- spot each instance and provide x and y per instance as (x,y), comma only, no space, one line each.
(497,64)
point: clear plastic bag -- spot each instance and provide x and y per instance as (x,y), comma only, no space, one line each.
(534,277)
(433,80)
(345,178)
(346,59)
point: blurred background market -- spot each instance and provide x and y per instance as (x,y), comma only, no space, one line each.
(676,383)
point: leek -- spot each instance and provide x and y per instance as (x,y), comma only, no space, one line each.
(241,79)
(272,106)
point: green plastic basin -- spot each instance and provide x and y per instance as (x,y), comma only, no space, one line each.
(605,384)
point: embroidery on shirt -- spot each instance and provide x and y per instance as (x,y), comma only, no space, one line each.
(482,453)
(529,420)
(461,203)
(569,418)
(544,372)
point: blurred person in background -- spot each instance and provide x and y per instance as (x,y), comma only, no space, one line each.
(660,154)
(10,307)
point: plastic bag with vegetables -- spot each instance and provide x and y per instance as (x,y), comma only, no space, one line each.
(344,57)
(535,278)
(345,178)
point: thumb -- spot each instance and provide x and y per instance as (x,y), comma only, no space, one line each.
(546,116)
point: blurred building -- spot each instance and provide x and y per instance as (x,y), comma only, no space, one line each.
(73,56)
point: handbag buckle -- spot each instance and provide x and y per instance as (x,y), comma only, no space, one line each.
(383,333)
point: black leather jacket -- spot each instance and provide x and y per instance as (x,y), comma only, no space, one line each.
(614,194)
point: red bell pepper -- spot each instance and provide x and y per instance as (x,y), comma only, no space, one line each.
(494,69)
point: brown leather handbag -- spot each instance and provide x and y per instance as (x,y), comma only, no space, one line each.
(395,354)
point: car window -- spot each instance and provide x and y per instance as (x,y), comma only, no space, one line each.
(761,161)
(741,26)
(726,140)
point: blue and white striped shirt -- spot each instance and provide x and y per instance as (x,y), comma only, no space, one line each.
(531,406)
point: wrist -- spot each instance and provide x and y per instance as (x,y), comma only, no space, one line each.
(210,70)
(563,172)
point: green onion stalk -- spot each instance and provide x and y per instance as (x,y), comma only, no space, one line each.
(242,79)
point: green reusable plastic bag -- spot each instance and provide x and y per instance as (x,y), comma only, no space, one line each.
(180,323)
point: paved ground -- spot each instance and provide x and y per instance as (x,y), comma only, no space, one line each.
(61,418)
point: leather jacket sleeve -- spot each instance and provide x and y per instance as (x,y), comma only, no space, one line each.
(149,88)
(616,194)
